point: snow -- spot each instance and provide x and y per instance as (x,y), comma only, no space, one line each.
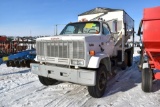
(20,88)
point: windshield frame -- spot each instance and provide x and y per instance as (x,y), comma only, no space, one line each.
(99,32)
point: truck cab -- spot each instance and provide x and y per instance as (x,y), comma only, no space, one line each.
(97,33)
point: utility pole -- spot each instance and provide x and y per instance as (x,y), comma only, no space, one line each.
(56,30)
(30,33)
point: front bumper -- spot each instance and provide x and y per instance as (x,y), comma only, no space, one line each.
(80,76)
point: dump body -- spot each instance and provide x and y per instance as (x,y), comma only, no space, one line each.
(122,30)
(151,35)
(124,23)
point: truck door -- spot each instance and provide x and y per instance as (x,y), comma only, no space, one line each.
(108,42)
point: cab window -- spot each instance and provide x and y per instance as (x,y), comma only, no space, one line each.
(105,29)
(82,28)
(70,29)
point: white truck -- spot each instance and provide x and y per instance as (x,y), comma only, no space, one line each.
(86,52)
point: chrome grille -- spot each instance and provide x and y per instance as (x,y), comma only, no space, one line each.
(61,49)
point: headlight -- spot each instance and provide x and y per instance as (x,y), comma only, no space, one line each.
(74,62)
(80,62)
(42,58)
(77,62)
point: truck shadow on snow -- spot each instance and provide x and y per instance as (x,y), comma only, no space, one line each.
(156,86)
(18,72)
(127,80)
(124,80)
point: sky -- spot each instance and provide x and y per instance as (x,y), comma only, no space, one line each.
(38,17)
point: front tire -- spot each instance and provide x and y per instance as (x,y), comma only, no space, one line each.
(47,81)
(98,90)
(147,79)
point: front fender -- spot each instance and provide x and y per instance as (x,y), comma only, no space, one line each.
(95,60)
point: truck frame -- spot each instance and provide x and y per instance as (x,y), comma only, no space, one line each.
(86,52)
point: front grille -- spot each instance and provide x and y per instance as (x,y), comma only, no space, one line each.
(61,49)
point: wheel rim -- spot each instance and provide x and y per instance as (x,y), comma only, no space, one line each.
(102,80)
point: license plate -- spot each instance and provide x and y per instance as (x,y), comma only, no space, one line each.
(35,68)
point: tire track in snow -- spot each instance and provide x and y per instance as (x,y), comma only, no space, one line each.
(77,96)
(62,98)
(18,93)
(19,86)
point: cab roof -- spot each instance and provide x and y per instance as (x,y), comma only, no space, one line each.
(99,10)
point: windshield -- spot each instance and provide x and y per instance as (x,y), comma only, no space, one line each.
(81,28)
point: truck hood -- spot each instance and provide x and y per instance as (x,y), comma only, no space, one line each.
(70,37)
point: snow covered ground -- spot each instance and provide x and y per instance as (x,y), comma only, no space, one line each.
(20,88)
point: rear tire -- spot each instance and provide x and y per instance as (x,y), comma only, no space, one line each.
(47,81)
(125,62)
(98,90)
(130,58)
(147,79)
